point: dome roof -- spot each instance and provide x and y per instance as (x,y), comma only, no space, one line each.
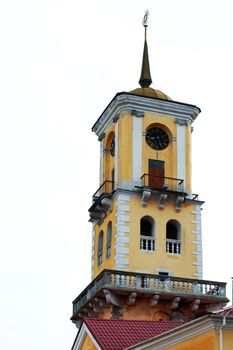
(148,91)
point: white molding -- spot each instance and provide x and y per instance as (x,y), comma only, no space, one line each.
(122,239)
(116,155)
(137,150)
(124,218)
(122,228)
(123,197)
(121,250)
(128,102)
(81,336)
(124,207)
(128,184)
(101,170)
(181,156)
(121,260)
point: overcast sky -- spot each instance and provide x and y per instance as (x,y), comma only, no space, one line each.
(61,62)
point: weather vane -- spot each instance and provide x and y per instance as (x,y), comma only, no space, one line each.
(145,19)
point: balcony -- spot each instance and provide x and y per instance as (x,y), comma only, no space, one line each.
(162,189)
(102,202)
(106,188)
(160,183)
(151,287)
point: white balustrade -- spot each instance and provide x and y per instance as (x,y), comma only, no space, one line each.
(147,243)
(173,246)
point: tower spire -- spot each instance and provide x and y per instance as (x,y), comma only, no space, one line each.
(145,79)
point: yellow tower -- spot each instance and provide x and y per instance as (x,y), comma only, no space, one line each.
(145,217)
(147,238)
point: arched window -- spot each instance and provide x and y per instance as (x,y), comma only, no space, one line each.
(109,162)
(109,239)
(173,237)
(100,248)
(147,233)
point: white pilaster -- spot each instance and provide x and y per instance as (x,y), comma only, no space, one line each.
(101,161)
(180,142)
(116,155)
(122,232)
(197,241)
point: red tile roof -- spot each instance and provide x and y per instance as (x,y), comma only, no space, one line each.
(120,334)
(226,311)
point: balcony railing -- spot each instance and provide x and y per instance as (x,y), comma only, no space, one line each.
(147,243)
(163,183)
(147,283)
(173,246)
(106,187)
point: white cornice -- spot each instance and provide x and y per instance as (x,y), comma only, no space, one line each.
(127,102)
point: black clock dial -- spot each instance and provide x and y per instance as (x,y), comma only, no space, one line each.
(157,138)
(112,147)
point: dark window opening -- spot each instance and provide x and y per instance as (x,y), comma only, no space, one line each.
(147,228)
(109,240)
(100,248)
(173,243)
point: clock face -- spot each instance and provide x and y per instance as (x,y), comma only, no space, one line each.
(112,147)
(157,138)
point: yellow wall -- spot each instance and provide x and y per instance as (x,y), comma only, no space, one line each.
(88,344)
(125,128)
(108,263)
(204,341)
(181,265)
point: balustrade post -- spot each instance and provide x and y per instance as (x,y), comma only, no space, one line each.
(167,285)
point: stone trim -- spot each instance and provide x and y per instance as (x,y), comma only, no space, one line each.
(181,156)
(116,155)
(197,241)
(122,232)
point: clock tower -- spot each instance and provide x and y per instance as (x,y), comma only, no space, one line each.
(146,236)
(145,216)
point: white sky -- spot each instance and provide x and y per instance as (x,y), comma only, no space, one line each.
(61,62)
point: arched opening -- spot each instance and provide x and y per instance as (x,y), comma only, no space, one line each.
(109,239)
(173,237)
(100,248)
(109,161)
(147,233)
